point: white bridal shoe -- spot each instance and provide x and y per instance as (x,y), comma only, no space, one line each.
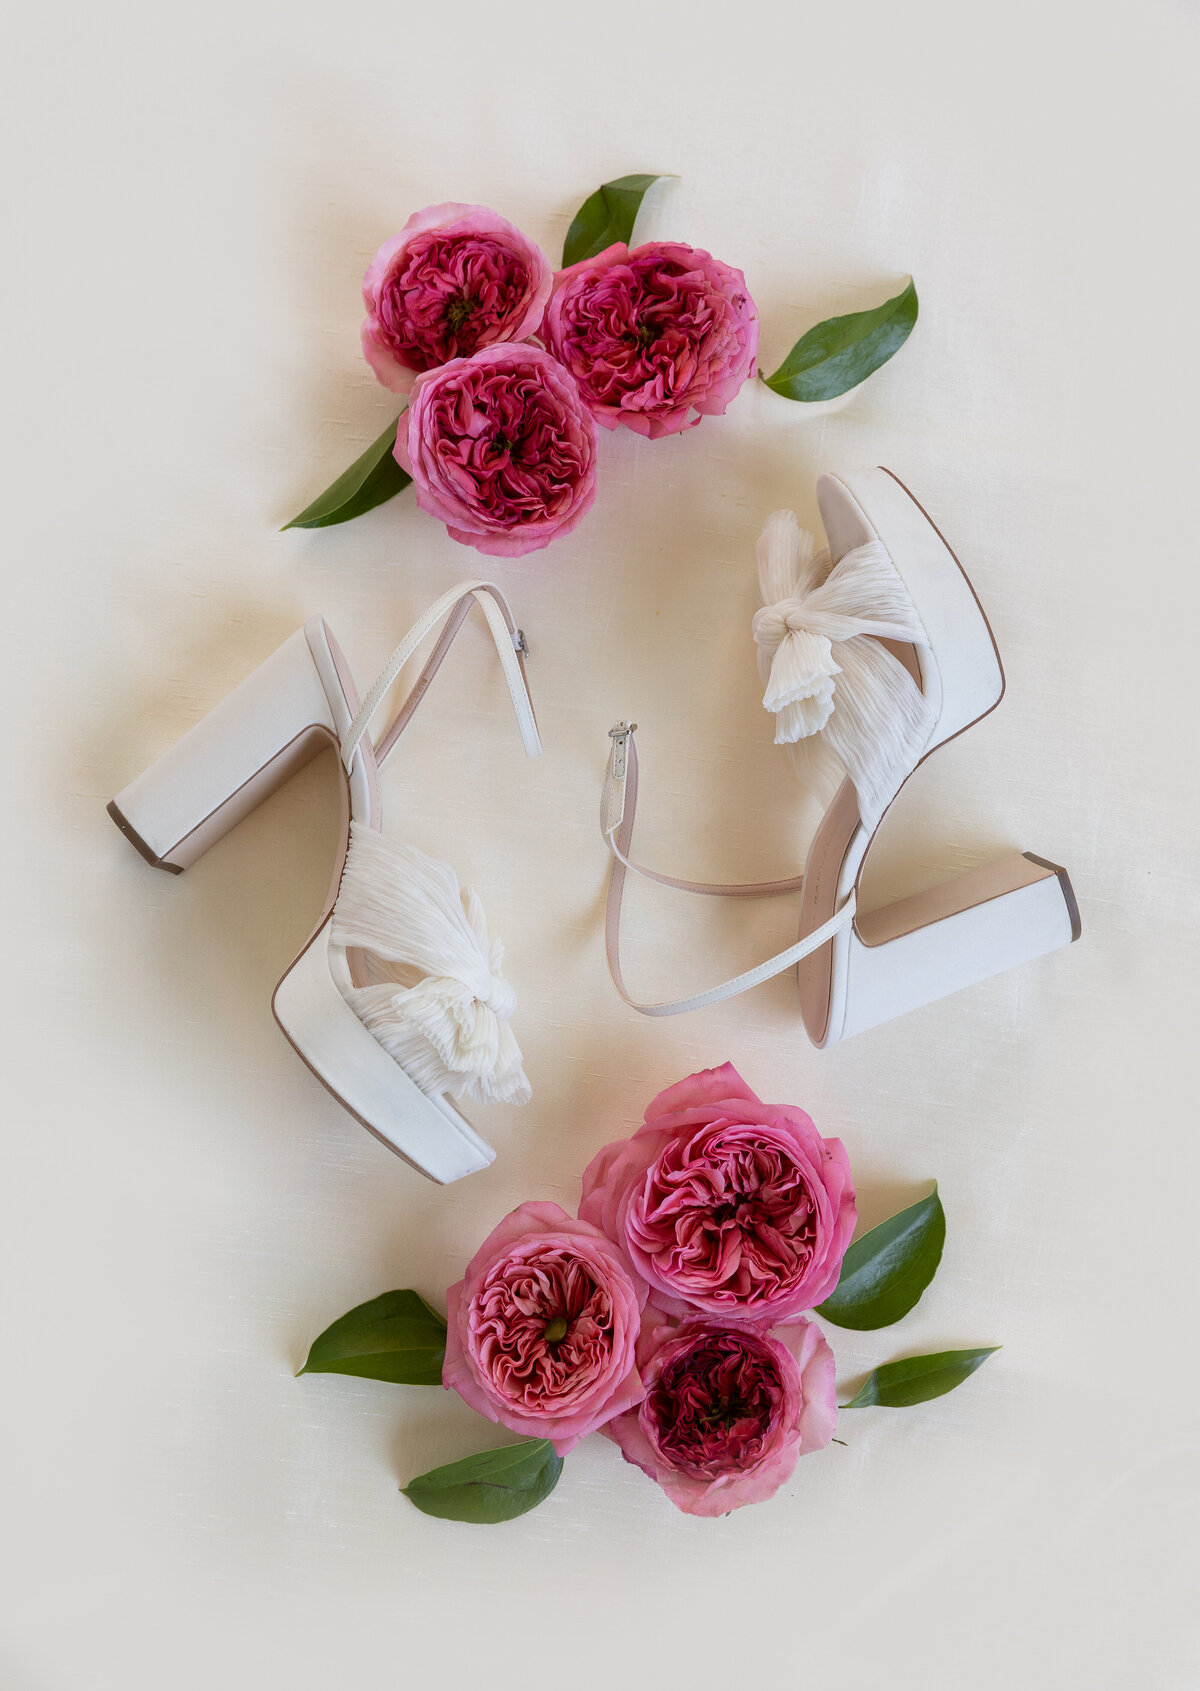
(873,655)
(396,1001)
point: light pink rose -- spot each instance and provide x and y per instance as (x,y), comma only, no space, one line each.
(656,337)
(728,1411)
(543,1327)
(501,449)
(726,1205)
(455,278)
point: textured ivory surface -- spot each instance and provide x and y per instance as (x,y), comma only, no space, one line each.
(194,194)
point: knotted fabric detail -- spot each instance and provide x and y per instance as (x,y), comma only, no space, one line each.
(825,672)
(436,1001)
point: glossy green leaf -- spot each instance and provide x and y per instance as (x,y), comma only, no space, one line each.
(885,1272)
(396,1337)
(495,1485)
(608,216)
(371,480)
(916,1379)
(843,351)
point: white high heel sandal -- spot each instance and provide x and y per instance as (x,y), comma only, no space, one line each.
(870,663)
(396,1000)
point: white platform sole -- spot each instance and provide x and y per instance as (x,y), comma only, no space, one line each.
(427,1132)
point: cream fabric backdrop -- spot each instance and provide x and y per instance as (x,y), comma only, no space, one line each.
(194,196)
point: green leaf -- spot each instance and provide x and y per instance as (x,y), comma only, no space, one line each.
(396,1337)
(843,351)
(608,216)
(885,1272)
(916,1379)
(495,1485)
(371,480)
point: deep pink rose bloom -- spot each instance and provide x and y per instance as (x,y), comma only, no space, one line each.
(455,278)
(728,1411)
(656,338)
(726,1205)
(501,448)
(543,1327)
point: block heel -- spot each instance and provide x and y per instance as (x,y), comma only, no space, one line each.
(919,949)
(271,725)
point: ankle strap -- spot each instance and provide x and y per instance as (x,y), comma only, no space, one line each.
(456,604)
(618,809)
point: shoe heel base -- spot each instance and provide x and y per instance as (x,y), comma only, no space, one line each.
(229,761)
(138,843)
(1068,891)
(1020,908)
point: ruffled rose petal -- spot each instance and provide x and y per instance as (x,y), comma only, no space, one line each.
(727,1411)
(656,338)
(456,278)
(725,1205)
(707,1086)
(501,449)
(540,1266)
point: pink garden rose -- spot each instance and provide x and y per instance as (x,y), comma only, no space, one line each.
(543,1327)
(656,338)
(501,449)
(728,1411)
(726,1205)
(455,278)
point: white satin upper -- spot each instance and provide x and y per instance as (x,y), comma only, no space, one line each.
(824,671)
(436,1000)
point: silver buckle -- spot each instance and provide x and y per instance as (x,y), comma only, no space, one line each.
(520,644)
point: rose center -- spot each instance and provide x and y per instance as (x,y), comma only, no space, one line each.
(642,335)
(459,309)
(555,1329)
(731,1210)
(726,1412)
(715,1404)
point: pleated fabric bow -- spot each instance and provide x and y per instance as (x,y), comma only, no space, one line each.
(437,1001)
(838,696)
